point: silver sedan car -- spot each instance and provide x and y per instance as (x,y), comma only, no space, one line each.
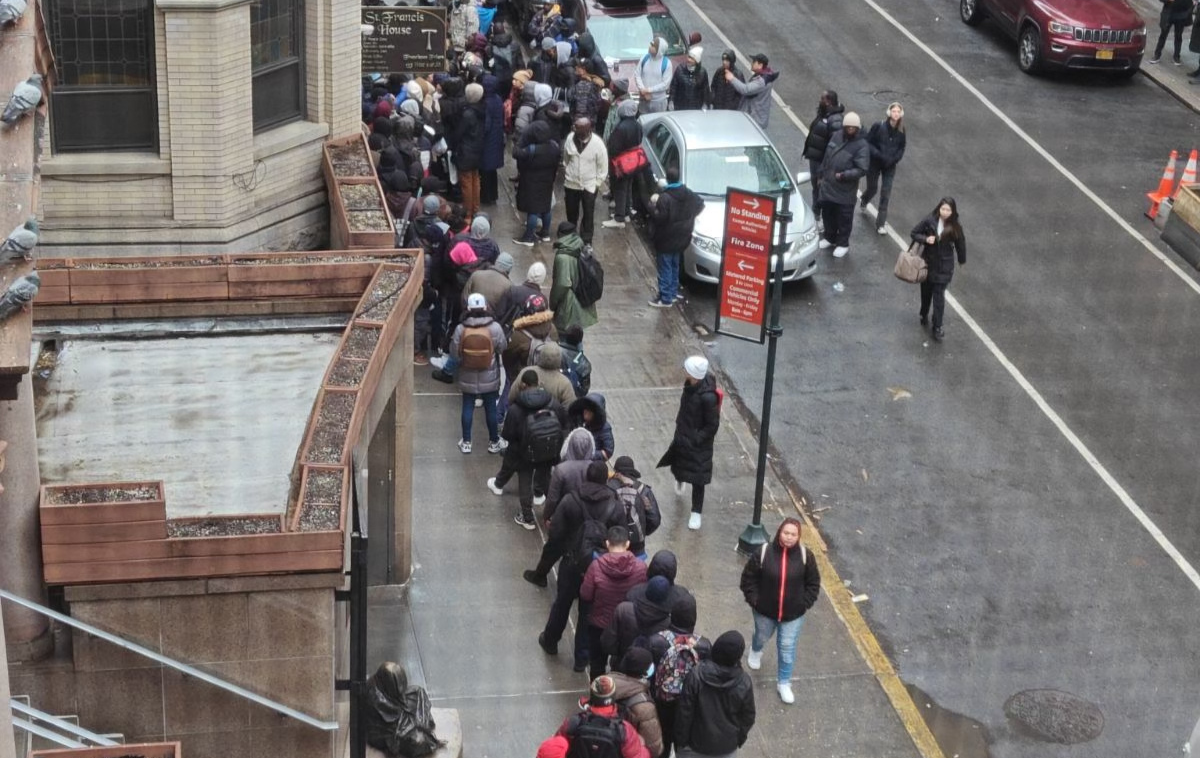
(715,150)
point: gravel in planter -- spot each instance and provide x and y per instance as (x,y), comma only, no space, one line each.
(224,527)
(96,495)
(361,343)
(368,221)
(321,510)
(360,197)
(347,373)
(384,296)
(350,160)
(320,517)
(84,265)
(333,423)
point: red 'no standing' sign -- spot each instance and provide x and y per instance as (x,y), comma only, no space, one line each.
(745,262)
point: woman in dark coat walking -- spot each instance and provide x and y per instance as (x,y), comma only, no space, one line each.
(691,453)
(942,235)
(492,159)
(537,164)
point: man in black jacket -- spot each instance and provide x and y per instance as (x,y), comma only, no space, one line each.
(715,711)
(673,212)
(847,159)
(569,529)
(533,443)
(827,122)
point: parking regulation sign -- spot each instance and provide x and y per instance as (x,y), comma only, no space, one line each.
(745,264)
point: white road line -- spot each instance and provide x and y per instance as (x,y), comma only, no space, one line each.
(1130,504)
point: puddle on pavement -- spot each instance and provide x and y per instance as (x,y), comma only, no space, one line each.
(958,735)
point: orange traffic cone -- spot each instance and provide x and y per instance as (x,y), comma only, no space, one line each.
(1164,186)
(1189,174)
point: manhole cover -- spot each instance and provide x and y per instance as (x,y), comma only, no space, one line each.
(1056,716)
(889,96)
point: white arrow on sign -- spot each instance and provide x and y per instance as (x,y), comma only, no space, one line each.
(742,265)
(753,203)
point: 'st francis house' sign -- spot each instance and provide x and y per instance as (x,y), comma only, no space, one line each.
(404,40)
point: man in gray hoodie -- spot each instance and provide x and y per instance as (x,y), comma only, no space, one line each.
(652,77)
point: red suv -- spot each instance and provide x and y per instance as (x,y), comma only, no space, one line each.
(1089,34)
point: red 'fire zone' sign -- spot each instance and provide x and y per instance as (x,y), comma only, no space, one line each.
(745,264)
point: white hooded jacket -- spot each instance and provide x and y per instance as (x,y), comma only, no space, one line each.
(654,72)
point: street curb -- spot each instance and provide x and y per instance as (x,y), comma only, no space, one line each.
(1182,94)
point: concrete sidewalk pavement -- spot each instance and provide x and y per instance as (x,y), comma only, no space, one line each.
(466,625)
(1165,73)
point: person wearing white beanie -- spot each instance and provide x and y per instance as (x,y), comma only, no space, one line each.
(690,455)
(690,90)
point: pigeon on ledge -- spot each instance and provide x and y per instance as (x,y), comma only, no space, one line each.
(19,294)
(24,99)
(21,242)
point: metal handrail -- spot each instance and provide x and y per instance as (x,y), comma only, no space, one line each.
(55,737)
(61,724)
(133,647)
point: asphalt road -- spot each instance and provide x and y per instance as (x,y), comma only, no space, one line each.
(998,560)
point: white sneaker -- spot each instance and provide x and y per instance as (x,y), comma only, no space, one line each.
(492,486)
(694,521)
(479,400)
(612,223)
(438,361)
(495,447)
(754,660)
(539,500)
(840,252)
(824,244)
(464,446)
(679,488)
(785,693)
(881,230)
(862,208)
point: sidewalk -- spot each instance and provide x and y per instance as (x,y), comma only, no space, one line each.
(1165,73)
(466,625)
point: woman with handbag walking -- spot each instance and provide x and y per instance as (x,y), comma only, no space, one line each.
(942,235)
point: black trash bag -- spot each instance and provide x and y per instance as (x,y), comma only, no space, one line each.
(399,717)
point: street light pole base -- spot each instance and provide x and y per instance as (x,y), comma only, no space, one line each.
(753,537)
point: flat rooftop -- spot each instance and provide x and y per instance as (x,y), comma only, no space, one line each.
(219,419)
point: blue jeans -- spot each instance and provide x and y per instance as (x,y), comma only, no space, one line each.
(489,413)
(668,276)
(785,644)
(451,365)
(531,224)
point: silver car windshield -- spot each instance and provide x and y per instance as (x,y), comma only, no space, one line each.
(757,169)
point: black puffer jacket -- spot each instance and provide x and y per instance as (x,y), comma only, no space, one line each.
(468,148)
(674,217)
(537,164)
(792,574)
(593,501)
(724,96)
(626,135)
(691,453)
(886,143)
(715,710)
(587,51)
(846,161)
(451,106)
(689,90)
(820,131)
(527,403)
(940,255)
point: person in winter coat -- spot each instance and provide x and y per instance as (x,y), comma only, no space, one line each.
(588,52)
(632,675)
(530,473)
(690,455)
(600,709)
(575,365)
(847,159)
(625,136)
(652,77)
(566,477)
(607,580)
(585,169)
(634,620)
(638,498)
(450,106)
(463,22)
(492,158)
(724,96)
(780,583)
(886,140)
(530,333)
(674,214)
(683,622)
(715,711)
(479,382)
(942,234)
(827,123)
(588,413)
(515,302)
(480,240)
(594,501)
(568,311)
(756,93)
(679,598)
(1175,15)
(537,165)
(491,281)
(620,94)
(468,152)
(689,90)
(549,370)
(585,95)
(523,110)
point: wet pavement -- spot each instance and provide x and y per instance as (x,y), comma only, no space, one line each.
(467,623)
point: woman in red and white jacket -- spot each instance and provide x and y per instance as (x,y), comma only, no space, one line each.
(780,582)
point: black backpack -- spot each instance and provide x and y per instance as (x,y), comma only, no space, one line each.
(595,736)
(592,536)
(589,285)
(634,502)
(543,436)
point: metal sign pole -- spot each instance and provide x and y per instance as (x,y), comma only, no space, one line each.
(754,534)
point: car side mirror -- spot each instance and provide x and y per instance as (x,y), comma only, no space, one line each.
(803,177)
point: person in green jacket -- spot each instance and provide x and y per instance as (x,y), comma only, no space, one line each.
(568,311)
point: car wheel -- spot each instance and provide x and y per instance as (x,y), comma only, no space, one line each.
(1029,50)
(970,12)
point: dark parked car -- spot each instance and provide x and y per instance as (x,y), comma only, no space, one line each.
(1081,34)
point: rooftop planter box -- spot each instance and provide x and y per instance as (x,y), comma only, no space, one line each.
(102,512)
(56,283)
(144,750)
(120,280)
(328,438)
(322,503)
(358,215)
(318,274)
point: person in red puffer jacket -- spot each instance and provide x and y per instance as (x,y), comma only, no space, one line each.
(608,579)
